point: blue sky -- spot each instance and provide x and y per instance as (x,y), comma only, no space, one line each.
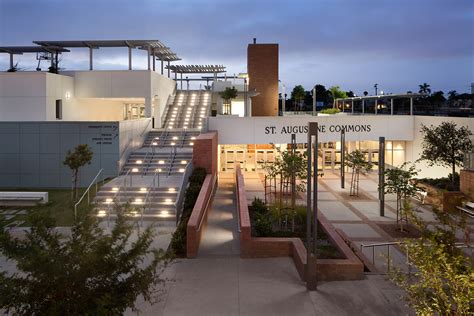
(352,43)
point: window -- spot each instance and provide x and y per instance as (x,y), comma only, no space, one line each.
(59,109)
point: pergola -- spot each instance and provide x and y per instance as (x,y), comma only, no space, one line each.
(376,98)
(20,50)
(155,48)
(195,69)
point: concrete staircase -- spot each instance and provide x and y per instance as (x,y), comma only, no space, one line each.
(150,181)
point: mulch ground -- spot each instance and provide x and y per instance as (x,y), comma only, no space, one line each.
(393,230)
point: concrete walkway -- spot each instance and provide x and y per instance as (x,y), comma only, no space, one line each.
(220,236)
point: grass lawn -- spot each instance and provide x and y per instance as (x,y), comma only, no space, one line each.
(60,206)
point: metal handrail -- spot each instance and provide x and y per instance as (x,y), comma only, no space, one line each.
(184,182)
(183,136)
(171,159)
(87,192)
(146,126)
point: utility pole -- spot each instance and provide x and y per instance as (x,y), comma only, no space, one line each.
(314,100)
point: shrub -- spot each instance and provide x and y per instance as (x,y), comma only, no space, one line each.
(263,225)
(259,207)
(330,111)
(178,241)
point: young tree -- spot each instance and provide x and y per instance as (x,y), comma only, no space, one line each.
(443,282)
(399,182)
(81,156)
(298,95)
(445,145)
(227,95)
(356,161)
(90,272)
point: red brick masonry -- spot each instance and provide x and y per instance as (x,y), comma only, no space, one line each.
(467,183)
(198,219)
(350,268)
(205,152)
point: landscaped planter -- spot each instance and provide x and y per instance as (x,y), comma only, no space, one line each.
(349,268)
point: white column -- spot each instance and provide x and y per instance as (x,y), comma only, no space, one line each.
(411,106)
(11,60)
(391,106)
(148,110)
(148,58)
(129,58)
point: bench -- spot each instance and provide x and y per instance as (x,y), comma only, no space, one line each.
(468,209)
(23,198)
(421,196)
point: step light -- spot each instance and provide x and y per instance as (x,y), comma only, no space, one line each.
(183,162)
(154,143)
(142,189)
(168,201)
(108,201)
(135,170)
(138,200)
(181,170)
(158,170)
(171,190)
(101,213)
(161,162)
(175,137)
(172,144)
(139,162)
(115,189)
(191,143)
(193,138)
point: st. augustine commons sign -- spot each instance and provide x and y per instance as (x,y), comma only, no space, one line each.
(277,130)
(321,129)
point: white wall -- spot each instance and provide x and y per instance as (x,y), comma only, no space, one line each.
(131,136)
(278,130)
(31,96)
(414,148)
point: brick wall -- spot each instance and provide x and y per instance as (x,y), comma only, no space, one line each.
(467,183)
(205,152)
(350,268)
(262,68)
(198,219)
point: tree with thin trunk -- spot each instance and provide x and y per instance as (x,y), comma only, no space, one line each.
(81,156)
(227,95)
(445,145)
(297,95)
(424,88)
(399,181)
(356,161)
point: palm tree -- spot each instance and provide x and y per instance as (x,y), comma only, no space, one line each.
(228,94)
(298,94)
(424,88)
(366,93)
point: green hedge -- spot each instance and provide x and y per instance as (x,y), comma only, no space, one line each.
(330,111)
(178,241)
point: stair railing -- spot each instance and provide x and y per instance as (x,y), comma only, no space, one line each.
(171,159)
(87,192)
(182,189)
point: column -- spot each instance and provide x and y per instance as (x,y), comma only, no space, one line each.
(376,104)
(352,106)
(181,77)
(391,106)
(91,64)
(169,75)
(411,106)
(363,106)
(154,60)
(11,60)
(129,58)
(148,58)
(161,66)
(148,112)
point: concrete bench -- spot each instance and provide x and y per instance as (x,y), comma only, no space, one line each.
(421,196)
(23,198)
(468,209)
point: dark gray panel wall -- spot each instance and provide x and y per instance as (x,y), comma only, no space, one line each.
(31,153)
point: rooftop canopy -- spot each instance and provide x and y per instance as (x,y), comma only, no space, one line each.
(18,50)
(154,47)
(385,96)
(196,69)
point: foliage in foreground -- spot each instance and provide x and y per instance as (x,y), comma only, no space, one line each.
(444,281)
(90,272)
(178,241)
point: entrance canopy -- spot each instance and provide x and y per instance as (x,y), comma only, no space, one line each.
(195,69)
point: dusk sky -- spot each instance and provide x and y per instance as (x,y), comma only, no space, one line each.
(398,44)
